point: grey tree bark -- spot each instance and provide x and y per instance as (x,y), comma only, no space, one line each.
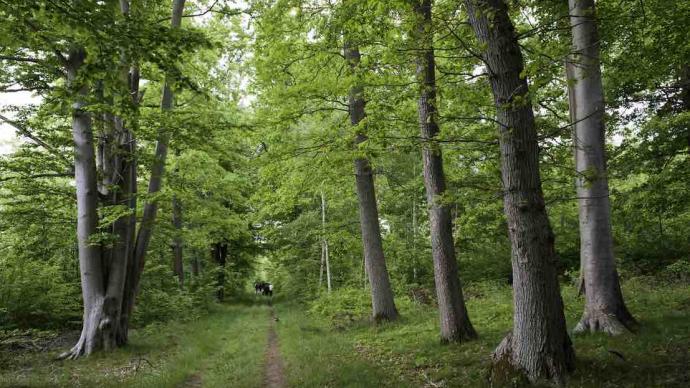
(131,178)
(605,310)
(538,348)
(104,273)
(324,245)
(454,319)
(177,248)
(101,280)
(143,236)
(374,260)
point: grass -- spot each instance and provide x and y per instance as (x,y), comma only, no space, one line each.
(226,348)
(657,356)
(208,349)
(316,356)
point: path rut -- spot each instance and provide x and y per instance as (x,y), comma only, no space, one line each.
(274,376)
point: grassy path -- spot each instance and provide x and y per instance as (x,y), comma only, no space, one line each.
(283,346)
(222,349)
(274,376)
(235,346)
(317,356)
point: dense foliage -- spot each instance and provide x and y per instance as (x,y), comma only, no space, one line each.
(260,133)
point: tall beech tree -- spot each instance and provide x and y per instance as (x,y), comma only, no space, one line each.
(455,322)
(111,276)
(605,309)
(538,347)
(374,260)
(100,291)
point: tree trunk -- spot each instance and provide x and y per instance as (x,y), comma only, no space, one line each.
(328,267)
(322,266)
(375,263)
(538,348)
(178,263)
(685,96)
(605,309)
(129,292)
(220,256)
(324,245)
(195,265)
(100,306)
(143,236)
(454,320)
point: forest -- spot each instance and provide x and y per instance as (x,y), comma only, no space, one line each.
(344,193)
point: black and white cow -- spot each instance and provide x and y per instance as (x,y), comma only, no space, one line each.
(263,288)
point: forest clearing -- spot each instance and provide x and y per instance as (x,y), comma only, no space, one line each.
(344,193)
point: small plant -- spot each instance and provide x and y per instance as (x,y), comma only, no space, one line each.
(678,271)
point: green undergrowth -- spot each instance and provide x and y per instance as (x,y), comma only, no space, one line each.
(410,350)
(315,355)
(214,349)
(332,343)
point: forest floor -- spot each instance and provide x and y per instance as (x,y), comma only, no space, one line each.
(256,345)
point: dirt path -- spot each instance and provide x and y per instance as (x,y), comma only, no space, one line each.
(274,376)
(193,381)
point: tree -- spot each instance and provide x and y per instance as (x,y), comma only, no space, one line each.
(177,247)
(381,292)
(109,290)
(135,266)
(325,260)
(101,293)
(455,322)
(538,346)
(605,309)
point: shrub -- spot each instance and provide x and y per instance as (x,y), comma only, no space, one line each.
(35,294)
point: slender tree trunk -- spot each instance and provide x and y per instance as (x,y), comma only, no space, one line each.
(220,255)
(454,320)
(328,267)
(605,309)
(323,265)
(178,263)
(375,263)
(195,265)
(143,236)
(685,96)
(324,243)
(538,348)
(131,178)
(414,228)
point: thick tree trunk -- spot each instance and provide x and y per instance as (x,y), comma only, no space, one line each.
(375,263)
(538,348)
(100,307)
(143,236)
(454,320)
(605,309)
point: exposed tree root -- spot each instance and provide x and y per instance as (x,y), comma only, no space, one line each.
(548,370)
(77,350)
(601,322)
